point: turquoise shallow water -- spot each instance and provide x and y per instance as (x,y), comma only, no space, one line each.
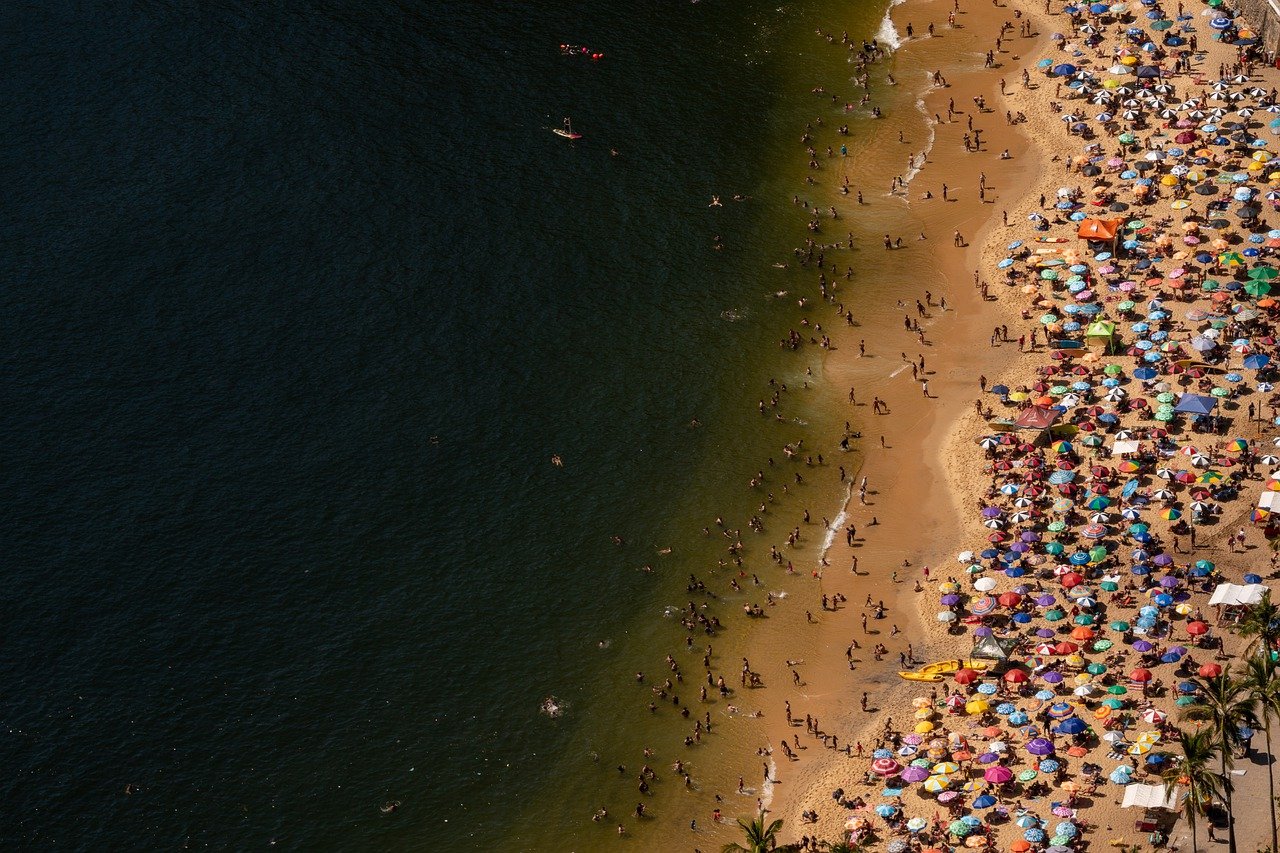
(301,304)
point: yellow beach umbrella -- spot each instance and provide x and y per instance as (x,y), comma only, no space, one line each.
(934,784)
(977,706)
(924,727)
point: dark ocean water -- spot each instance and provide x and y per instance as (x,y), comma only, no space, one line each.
(299,301)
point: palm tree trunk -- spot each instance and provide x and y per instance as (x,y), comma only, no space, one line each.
(1271,784)
(1226,795)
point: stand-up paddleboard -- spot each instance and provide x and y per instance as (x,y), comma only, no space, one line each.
(566,131)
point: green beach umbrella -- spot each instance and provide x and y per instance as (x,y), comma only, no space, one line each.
(1257,288)
(1126,138)
(1102,645)
(1263,273)
(1113,370)
(1117,690)
(1083,619)
(1097,554)
(1049,319)
(1113,704)
(1026,775)
(1055,616)
(1164,416)
(1120,625)
(1109,586)
(1135,224)
(1210,285)
(1206,565)
(1095,668)
(1127,305)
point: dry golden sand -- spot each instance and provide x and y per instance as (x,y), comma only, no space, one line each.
(931,469)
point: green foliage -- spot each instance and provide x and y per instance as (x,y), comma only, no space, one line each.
(760,837)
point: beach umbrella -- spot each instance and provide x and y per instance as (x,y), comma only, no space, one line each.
(936,784)
(885,766)
(1039,746)
(1072,726)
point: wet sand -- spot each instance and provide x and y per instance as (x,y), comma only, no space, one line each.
(909,491)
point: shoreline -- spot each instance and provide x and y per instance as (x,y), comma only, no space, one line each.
(817,773)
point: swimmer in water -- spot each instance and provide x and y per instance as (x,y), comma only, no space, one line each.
(715,201)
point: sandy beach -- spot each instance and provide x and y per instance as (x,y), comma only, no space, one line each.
(926,481)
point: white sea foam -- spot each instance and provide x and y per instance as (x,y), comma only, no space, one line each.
(922,157)
(766,790)
(836,524)
(888,35)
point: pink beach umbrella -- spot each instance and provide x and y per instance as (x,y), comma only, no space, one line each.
(997,775)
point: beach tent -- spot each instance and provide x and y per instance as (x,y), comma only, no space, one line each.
(1037,417)
(992,648)
(1100,333)
(1195,404)
(1269,500)
(1121,447)
(1231,594)
(1099,229)
(1151,797)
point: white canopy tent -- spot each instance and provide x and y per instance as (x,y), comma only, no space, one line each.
(1151,797)
(1231,594)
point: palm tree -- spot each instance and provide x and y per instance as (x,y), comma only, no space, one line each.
(1262,621)
(1263,678)
(1225,704)
(761,837)
(1195,774)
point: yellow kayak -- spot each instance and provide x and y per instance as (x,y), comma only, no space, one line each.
(941,669)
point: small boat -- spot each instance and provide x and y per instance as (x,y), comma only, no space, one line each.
(941,669)
(566,131)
